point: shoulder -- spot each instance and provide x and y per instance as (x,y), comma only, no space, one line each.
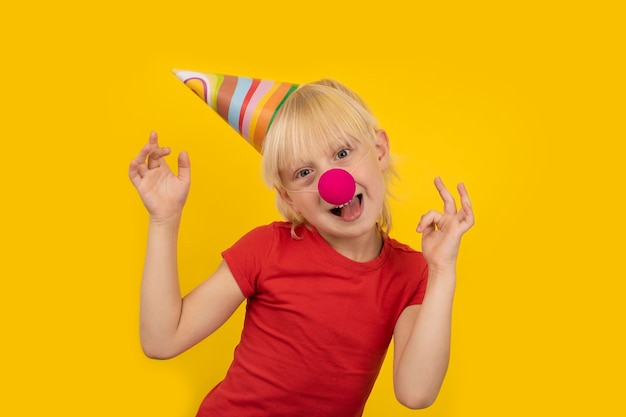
(401,249)
(249,255)
(268,231)
(404,256)
(409,268)
(261,239)
(399,246)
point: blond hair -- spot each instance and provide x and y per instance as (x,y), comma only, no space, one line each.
(316,119)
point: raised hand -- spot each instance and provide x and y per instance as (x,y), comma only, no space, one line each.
(442,232)
(163,193)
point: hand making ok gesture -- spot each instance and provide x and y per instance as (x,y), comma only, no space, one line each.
(163,193)
(442,232)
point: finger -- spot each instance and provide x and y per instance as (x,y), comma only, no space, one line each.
(143,153)
(153,141)
(154,158)
(153,138)
(133,173)
(429,221)
(466,204)
(142,169)
(465,199)
(184,166)
(449,205)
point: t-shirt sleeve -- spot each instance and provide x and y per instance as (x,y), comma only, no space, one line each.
(246,257)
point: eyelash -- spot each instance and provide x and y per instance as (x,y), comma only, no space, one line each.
(305,172)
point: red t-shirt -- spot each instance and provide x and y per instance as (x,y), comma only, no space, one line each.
(317,324)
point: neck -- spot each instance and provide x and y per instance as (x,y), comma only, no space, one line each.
(360,249)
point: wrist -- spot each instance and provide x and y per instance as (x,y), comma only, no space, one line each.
(165,221)
(442,271)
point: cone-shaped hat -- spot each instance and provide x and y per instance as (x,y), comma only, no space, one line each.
(247,104)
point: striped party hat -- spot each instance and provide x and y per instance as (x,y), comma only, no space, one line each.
(247,104)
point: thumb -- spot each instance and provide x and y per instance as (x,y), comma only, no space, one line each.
(184,166)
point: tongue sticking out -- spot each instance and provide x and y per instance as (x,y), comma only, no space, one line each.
(351,211)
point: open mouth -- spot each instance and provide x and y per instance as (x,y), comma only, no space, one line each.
(349,208)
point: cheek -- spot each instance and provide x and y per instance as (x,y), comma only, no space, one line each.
(379,187)
(305,202)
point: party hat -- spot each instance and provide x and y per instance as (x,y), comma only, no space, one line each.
(247,104)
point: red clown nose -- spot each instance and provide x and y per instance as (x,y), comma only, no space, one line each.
(336,186)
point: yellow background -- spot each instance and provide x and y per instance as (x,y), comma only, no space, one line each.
(523,101)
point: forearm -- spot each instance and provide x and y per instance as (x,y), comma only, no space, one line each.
(161,299)
(424,361)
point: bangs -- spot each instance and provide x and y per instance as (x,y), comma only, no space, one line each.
(316,120)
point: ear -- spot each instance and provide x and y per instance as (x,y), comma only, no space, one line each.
(382,149)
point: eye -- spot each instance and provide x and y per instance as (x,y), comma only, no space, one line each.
(343,153)
(303,172)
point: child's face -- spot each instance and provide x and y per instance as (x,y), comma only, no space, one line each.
(366,163)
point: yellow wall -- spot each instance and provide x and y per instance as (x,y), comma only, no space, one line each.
(523,102)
